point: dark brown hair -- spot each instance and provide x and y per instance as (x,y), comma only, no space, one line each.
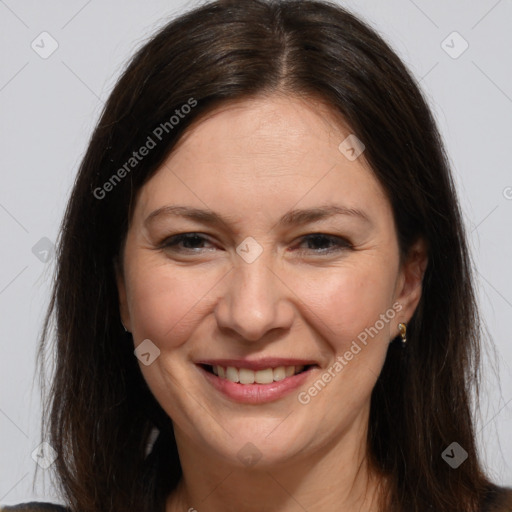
(100,411)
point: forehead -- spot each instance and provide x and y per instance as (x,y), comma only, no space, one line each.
(261,155)
(276,127)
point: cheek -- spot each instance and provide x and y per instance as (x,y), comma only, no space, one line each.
(345,303)
(346,306)
(164,300)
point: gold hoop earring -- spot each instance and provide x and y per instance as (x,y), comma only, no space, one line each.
(402,328)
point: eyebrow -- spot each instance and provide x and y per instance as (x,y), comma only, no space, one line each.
(291,218)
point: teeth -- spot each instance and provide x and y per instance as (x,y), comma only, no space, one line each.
(246,376)
(279,373)
(264,376)
(232,374)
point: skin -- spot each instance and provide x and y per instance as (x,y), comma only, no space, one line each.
(253,161)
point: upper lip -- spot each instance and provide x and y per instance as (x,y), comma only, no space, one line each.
(257,364)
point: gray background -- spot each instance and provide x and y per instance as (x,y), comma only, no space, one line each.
(49,107)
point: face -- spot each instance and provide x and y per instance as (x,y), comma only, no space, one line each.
(295,281)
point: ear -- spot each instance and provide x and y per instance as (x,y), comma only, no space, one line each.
(121,290)
(410,280)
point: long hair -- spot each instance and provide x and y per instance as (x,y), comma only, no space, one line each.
(100,412)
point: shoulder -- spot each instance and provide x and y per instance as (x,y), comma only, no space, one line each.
(499,499)
(34,506)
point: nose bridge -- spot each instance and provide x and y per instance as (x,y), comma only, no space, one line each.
(254,300)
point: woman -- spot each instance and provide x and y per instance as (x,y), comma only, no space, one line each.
(263,262)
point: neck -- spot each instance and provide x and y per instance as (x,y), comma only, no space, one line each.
(334,477)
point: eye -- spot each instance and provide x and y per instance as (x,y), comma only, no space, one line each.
(194,242)
(323,244)
(191,242)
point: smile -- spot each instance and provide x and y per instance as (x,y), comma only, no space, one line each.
(247,376)
(266,382)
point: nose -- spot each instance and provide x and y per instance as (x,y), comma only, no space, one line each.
(255,301)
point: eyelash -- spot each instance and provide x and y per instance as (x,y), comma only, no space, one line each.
(339,243)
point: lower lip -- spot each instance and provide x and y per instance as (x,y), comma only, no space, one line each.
(256,393)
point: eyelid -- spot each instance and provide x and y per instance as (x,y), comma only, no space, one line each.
(179,237)
(340,242)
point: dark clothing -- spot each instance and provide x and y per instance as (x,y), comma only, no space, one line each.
(34,507)
(498,500)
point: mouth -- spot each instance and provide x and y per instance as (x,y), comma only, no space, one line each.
(266,381)
(246,376)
